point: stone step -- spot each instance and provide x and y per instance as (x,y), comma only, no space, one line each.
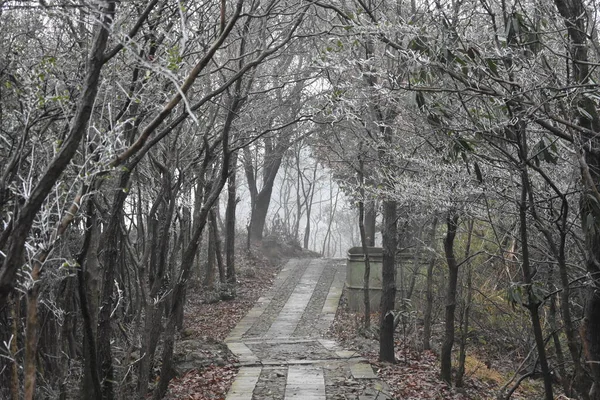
(305,383)
(244,383)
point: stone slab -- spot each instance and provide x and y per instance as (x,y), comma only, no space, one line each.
(261,304)
(305,383)
(328,344)
(347,354)
(362,371)
(242,352)
(335,292)
(279,340)
(292,311)
(244,384)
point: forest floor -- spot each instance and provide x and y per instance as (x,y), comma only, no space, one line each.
(415,375)
(209,323)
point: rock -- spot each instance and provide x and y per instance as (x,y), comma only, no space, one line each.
(181,369)
(212,298)
(197,354)
(194,356)
(187,332)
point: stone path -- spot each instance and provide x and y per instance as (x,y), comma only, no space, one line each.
(281,343)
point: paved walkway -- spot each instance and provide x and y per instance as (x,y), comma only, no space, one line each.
(282,347)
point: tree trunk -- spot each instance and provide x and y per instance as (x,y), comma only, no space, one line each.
(307,226)
(166,370)
(590,332)
(259,213)
(185,270)
(429,289)
(560,358)
(446,356)
(112,237)
(300,203)
(158,238)
(367,275)
(578,381)
(31,332)
(365,248)
(464,330)
(150,337)
(152,312)
(88,290)
(464,333)
(533,303)
(67,335)
(309,204)
(209,266)
(185,241)
(332,210)
(14,377)
(260,200)
(388,295)
(230,224)
(218,246)
(416,263)
(573,343)
(586,116)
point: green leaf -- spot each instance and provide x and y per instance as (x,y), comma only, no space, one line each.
(420,100)
(460,60)
(419,44)
(493,67)
(478,172)
(473,53)
(465,144)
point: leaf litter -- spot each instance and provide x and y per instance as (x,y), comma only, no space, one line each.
(416,373)
(211,321)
